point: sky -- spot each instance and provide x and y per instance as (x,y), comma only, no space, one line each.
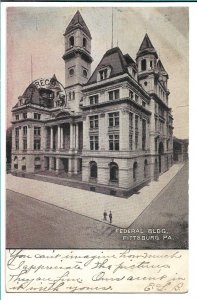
(38,33)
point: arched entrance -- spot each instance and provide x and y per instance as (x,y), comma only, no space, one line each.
(161,151)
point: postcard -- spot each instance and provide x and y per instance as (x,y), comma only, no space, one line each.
(97,149)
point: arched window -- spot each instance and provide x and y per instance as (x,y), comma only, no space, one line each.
(145,168)
(71,72)
(23,164)
(135,166)
(143,64)
(71,41)
(73,95)
(16,162)
(93,169)
(85,73)
(84,42)
(114,172)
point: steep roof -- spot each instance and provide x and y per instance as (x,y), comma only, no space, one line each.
(78,22)
(114,59)
(146,47)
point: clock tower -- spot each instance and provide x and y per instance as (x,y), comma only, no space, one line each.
(77,59)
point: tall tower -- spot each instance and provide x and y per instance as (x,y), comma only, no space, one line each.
(77,59)
(151,73)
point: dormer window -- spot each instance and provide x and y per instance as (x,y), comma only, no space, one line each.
(71,41)
(104,74)
(84,42)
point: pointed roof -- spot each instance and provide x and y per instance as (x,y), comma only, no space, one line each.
(114,59)
(78,22)
(146,47)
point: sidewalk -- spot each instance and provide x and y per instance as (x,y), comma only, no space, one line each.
(92,204)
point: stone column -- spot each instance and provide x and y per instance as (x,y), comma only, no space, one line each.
(70,166)
(50,163)
(76,166)
(77,137)
(28,138)
(61,137)
(71,136)
(51,140)
(58,137)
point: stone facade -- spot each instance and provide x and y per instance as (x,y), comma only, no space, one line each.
(113,127)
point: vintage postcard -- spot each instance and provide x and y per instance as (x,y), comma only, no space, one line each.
(97,149)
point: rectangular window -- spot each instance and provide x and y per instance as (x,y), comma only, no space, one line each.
(37,116)
(37,144)
(24,144)
(25,131)
(94,142)
(131,120)
(37,131)
(25,115)
(17,132)
(136,140)
(93,99)
(131,141)
(94,122)
(143,103)
(113,95)
(17,144)
(114,142)
(143,134)
(131,95)
(17,117)
(136,122)
(114,119)
(136,98)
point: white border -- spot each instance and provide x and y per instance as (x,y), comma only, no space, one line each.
(193,146)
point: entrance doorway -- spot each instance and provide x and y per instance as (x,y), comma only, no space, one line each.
(161,151)
(65,164)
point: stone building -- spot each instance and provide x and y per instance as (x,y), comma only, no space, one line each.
(112,129)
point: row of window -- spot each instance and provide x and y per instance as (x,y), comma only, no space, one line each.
(24,116)
(84,73)
(37,131)
(114,95)
(72,42)
(37,144)
(114,171)
(114,121)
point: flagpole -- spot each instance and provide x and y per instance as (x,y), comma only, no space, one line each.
(112,41)
(31,69)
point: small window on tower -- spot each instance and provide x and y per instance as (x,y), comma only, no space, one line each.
(84,42)
(71,41)
(71,72)
(143,64)
(85,73)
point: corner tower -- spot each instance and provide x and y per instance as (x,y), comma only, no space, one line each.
(151,73)
(77,58)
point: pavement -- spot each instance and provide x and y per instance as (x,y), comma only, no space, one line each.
(91,204)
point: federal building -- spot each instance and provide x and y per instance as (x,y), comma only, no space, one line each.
(111,129)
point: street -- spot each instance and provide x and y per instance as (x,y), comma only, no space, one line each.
(35,224)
